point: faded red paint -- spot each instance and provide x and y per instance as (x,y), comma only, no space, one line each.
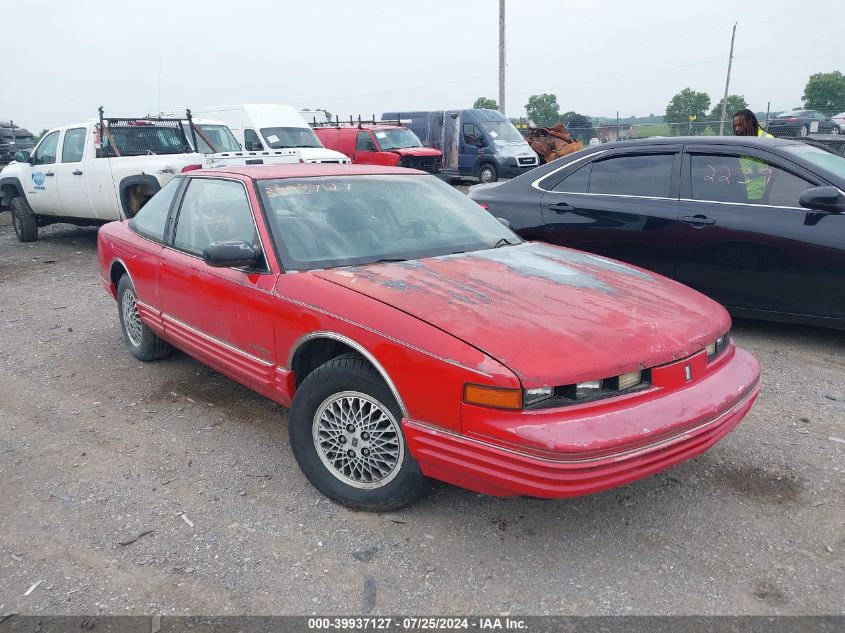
(521,316)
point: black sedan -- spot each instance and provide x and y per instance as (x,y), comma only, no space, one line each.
(801,123)
(757,224)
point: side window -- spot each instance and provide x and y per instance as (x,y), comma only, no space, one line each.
(73,145)
(251,141)
(152,218)
(471,135)
(718,179)
(364,142)
(213,211)
(45,153)
(576,182)
(645,175)
(744,179)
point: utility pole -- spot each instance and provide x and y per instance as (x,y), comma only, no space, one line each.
(727,85)
(502,56)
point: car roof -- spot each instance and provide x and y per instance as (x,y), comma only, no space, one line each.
(305,170)
(747,141)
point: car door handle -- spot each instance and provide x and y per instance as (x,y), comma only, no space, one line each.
(49,173)
(77,172)
(697,219)
(561,207)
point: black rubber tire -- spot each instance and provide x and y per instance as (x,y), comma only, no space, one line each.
(349,372)
(490,169)
(151,346)
(23,220)
(803,130)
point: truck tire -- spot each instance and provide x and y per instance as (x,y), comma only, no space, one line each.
(23,220)
(487,173)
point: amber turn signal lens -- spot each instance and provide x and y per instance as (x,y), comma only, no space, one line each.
(495,397)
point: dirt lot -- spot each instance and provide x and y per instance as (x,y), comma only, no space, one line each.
(97,448)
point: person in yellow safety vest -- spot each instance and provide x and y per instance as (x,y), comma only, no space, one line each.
(756,171)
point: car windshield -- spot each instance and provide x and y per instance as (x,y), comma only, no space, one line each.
(219,135)
(502,131)
(397,138)
(819,158)
(325,222)
(283,137)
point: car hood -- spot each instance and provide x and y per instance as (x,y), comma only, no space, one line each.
(415,151)
(552,315)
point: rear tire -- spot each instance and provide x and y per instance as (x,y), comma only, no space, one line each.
(803,131)
(24,220)
(143,343)
(345,433)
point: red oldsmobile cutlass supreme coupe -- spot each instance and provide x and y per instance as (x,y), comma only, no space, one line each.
(413,336)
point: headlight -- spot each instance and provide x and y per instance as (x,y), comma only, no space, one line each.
(716,347)
(587,389)
(537,394)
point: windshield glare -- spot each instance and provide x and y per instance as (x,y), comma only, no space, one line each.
(397,138)
(335,221)
(819,157)
(284,137)
(502,131)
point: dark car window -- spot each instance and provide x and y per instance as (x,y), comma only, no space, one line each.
(213,211)
(45,153)
(74,145)
(251,141)
(364,142)
(151,219)
(576,182)
(645,175)
(743,179)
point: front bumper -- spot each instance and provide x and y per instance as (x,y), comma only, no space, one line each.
(510,167)
(676,427)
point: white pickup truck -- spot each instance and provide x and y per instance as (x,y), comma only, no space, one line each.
(94,172)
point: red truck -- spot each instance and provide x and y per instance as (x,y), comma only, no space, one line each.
(381,144)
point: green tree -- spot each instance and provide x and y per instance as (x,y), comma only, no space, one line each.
(41,135)
(543,109)
(686,103)
(825,92)
(485,102)
(735,102)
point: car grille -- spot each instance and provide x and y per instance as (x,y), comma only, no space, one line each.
(431,164)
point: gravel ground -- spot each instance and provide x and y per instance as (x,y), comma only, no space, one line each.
(97,449)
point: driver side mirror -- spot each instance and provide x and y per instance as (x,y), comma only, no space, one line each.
(230,254)
(828,199)
(22,156)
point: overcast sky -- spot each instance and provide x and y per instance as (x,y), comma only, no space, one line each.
(63,59)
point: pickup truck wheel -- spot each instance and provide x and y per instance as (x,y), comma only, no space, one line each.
(23,220)
(142,342)
(487,173)
(346,434)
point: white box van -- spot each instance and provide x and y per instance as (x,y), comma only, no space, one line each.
(264,127)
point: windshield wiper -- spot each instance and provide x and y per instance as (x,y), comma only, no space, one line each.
(504,242)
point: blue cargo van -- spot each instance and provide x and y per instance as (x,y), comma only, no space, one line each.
(476,143)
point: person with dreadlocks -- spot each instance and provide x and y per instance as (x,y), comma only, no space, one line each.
(746,124)
(756,172)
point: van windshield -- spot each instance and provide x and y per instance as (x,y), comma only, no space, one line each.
(502,131)
(397,138)
(284,137)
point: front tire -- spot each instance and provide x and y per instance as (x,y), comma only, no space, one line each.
(23,220)
(143,343)
(346,435)
(487,173)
